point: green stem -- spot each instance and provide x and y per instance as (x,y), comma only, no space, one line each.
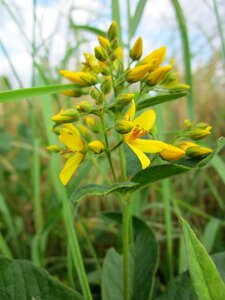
(108,152)
(126,221)
(75,249)
(122,162)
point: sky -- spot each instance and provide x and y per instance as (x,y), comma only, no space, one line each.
(157,27)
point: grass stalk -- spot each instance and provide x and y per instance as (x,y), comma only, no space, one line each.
(186,54)
(126,232)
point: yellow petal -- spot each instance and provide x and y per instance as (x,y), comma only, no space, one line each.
(70,137)
(145,161)
(146,120)
(70,167)
(149,146)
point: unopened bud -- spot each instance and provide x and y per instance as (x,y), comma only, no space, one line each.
(188,124)
(157,56)
(123,126)
(203,125)
(137,73)
(136,50)
(157,75)
(171,153)
(100,53)
(85,106)
(112,31)
(195,152)
(185,145)
(198,134)
(103,42)
(114,44)
(106,85)
(66,118)
(80,78)
(96,146)
(54,148)
(181,87)
(72,112)
(123,100)
(100,99)
(94,93)
(117,54)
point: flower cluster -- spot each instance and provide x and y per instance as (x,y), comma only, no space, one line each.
(110,108)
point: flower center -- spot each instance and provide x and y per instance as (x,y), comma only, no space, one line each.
(137,132)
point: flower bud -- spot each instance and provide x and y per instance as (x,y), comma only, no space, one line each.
(198,134)
(157,56)
(72,112)
(103,42)
(157,75)
(90,121)
(106,85)
(100,99)
(171,153)
(180,87)
(112,31)
(96,147)
(185,145)
(100,53)
(123,126)
(54,148)
(187,124)
(72,93)
(136,50)
(80,78)
(195,152)
(91,64)
(137,73)
(66,116)
(85,106)
(203,125)
(117,54)
(114,44)
(94,93)
(123,100)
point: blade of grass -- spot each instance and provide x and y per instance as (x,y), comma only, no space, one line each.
(186,54)
(214,191)
(220,28)
(14,95)
(116,17)
(219,166)
(66,206)
(4,249)
(88,28)
(135,20)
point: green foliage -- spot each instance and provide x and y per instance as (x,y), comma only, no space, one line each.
(20,279)
(148,101)
(205,278)
(143,260)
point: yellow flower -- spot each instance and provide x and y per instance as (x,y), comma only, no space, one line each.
(70,137)
(105,43)
(141,126)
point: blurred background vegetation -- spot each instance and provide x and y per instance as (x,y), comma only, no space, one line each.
(38,38)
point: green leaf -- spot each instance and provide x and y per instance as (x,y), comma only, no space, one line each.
(91,29)
(112,276)
(143,262)
(20,279)
(180,287)
(158,172)
(210,234)
(151,101)
(102,190)
(8,96)
(205,278)
(135,20)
